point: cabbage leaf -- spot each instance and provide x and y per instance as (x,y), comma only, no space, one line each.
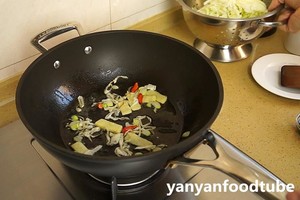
(234,8)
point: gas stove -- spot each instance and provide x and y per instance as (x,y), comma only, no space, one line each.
(29,172)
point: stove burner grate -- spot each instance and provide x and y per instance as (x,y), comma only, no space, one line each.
(131,182)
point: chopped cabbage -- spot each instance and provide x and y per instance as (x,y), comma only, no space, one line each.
(234,8)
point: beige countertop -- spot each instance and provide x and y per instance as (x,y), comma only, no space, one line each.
(258,122)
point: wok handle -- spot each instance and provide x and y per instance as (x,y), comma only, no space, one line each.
(230,166)
(52,32)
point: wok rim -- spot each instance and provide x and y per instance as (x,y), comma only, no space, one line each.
(193,139)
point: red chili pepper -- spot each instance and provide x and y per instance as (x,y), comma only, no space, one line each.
(135,87)
(128,128)
(140,98)
(100,105)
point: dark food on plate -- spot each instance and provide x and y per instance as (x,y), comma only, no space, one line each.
(290,76)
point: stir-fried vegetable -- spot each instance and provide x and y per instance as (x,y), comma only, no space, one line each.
(136,140)
(109,126)
(134,87)
(131,136)
(186,134)
(234,8)
(83,127)
(128,128)
(120,106)
(81,148)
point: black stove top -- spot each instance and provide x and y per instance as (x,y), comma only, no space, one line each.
(83,186)
(86,187)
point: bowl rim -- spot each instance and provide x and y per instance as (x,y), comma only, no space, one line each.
(268,14)
(298,121)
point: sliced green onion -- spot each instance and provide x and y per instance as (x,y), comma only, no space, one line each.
(186,134)
(74,118)
(74,125)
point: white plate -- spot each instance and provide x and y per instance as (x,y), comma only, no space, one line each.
(266,72)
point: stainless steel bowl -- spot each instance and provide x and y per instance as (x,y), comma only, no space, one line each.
(298,122)
(225,39)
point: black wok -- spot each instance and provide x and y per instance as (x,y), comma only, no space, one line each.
(45,93)
(48,88)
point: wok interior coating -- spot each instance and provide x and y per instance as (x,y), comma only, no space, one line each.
(182,73)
